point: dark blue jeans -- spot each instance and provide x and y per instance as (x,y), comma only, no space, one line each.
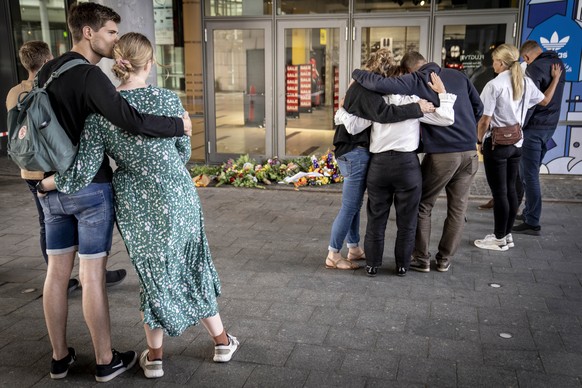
(501,169)
(533,151)
(393,177)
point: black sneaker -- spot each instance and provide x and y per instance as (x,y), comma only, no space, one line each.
(519,217)
(419,265)
(371,271)
(526,228)
(73,285)
(113,278)
(119,364)
(401,271)
(60,368)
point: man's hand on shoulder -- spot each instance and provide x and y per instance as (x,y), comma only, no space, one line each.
(187,124)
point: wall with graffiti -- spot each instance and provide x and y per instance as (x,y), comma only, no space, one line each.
(557,25)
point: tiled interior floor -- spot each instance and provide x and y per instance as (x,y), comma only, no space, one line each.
(310,133)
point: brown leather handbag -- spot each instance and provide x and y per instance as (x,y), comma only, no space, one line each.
(505,135)
(510,134)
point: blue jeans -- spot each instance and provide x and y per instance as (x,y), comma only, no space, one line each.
(533,151)
(346,226)
(84,219)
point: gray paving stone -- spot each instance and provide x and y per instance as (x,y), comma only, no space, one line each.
(375,364)
(300,332)
(528,379)
(432,372)
(554,322)
(548,340)
(505,317)
(516,359)
(319,379)
(210,374)
(381,321)
(265,351)
(319,358)
(254,328)
(476,375)
(529,303)
(351,338)
(569,364)
(558,278)
(274,376)
(403,344)
(447,349)
(461,312)
(286,312)
(408,307)
(334,317)
(521,337)
(446,329)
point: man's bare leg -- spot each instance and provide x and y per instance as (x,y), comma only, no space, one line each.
(55,301)
(96,306)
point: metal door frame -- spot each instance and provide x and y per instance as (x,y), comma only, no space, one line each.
(210,104)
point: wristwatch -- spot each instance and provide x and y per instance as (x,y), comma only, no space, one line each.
(40,188)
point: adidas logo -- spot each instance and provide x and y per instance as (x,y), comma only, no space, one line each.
(555,43)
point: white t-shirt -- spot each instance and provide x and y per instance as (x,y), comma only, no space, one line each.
(402,136)
(498,102)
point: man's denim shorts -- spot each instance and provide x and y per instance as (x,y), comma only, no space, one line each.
(83,220)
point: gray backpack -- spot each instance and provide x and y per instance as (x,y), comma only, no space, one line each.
(36,140)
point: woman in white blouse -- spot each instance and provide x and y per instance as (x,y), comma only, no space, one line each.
(506,100)
(394,174)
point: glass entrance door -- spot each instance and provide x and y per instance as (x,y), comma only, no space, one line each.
(466,43)
(311,66)
(398,34)
(239,90)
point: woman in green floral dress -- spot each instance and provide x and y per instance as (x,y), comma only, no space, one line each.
(158,211)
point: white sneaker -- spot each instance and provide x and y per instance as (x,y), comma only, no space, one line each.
(223,353)
(492,243)
(509,240)
(151,369)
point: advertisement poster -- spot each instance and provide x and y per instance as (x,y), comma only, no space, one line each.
(557,26)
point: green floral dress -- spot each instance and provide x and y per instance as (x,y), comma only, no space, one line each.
(158,213)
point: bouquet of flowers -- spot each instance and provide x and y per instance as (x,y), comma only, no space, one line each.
(246,172)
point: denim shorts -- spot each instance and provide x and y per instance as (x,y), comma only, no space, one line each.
(82,221)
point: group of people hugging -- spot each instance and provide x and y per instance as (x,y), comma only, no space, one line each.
(392,113)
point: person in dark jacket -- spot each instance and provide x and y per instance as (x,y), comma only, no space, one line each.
(353,155)
(451,160)
(538,130)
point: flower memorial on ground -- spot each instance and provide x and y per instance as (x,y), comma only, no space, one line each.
(246,172)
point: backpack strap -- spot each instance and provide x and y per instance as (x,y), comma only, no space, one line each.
(66,66)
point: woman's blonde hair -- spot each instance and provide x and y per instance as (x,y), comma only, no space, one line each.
(131,53)
(382,62)
(508,54)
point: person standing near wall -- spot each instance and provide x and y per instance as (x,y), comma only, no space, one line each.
(538,130)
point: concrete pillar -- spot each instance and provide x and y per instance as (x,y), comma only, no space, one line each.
(136,16)
(44,22)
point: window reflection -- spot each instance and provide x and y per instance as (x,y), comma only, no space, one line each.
(392,5)
(468,48)
(312,89)
(476,4)
(41,20)
(238,7)
(291,7)
(398,39)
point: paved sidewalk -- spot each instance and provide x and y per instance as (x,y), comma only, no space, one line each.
(301,325)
